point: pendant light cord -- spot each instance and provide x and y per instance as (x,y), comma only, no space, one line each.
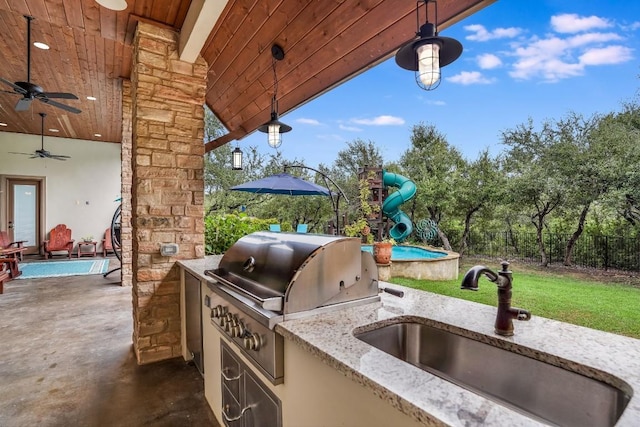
(274,101)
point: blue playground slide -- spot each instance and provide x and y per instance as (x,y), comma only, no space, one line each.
(406,190)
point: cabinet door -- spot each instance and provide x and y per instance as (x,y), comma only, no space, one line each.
(264,407)
(231,371)
(193,318)
(231,410)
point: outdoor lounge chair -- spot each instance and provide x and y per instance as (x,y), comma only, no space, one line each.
(106,242)
(59,240)
(274,227)
(302,228)
(5,243)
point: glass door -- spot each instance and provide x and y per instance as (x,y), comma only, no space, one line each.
(24,213)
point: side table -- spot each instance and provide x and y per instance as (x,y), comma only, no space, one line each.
(90,252)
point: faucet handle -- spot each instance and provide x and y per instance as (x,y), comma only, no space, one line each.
(523,314)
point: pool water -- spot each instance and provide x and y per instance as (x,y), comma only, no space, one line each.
(409,253)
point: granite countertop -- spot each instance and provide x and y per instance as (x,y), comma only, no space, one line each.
(430,399)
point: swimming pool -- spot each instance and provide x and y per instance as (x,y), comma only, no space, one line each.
(420,263)
(409,253)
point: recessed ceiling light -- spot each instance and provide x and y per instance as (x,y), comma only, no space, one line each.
(97,134)
(91,98)
(3,124)
(113,4)
(53,130)
(41,45)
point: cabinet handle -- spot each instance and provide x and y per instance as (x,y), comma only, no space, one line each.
(228,419)
(229,378)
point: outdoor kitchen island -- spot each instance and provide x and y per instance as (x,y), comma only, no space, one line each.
(331,378)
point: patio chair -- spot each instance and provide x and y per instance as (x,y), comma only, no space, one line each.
(106,242)
(59,241)
(274,227)
(5,243)
(302,228)
(9,262)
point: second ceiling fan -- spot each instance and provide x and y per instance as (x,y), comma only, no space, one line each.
(31,91)
(42,153)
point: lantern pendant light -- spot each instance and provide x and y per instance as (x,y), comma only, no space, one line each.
(427,54)
(274,128)
(236,159)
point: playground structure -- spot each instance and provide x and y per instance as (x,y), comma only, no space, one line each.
(379,180)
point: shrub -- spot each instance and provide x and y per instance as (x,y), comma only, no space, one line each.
(222,231)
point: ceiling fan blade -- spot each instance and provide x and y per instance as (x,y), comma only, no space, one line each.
(59,157)
(59,105)
(14,86)
(26,154)
(59,95)
(23,104)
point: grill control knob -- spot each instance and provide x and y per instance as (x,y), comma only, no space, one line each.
(253,342)
(237,331)
(217,311)
(227,322)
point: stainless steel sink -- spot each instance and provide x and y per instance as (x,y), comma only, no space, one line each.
(542,391)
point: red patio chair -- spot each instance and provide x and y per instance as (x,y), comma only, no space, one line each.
(106,242)
(59,240)
(6,243)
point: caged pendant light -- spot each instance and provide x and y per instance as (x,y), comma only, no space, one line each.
(274,127)
(429,52)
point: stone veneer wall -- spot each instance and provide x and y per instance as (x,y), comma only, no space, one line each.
(168,184)
(126,235)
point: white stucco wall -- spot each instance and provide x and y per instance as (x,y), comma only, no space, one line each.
(80,192)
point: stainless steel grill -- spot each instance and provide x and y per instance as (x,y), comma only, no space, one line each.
(265,278)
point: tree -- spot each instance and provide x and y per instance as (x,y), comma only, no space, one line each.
(436,168)
(481,186)
(534,180)
(345,168)
(584,163)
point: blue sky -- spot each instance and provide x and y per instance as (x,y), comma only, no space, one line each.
(521,59)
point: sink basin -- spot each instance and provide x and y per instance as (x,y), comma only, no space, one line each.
(542,391)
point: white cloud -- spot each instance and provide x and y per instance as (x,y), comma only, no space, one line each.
(572,23)
(634,26)
(488,61)
(330,137)
(481,34)
(349,128)
(606,55)
(380,121)
(555,58)
(305,121)
(469,78)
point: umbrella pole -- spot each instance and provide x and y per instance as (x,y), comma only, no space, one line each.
(334,203)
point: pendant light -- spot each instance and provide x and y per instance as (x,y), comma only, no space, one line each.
(274,127)
(236,159)
(429,52)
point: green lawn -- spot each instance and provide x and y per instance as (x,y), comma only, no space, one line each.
(585,301)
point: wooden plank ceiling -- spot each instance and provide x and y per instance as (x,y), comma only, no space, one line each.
(325,42)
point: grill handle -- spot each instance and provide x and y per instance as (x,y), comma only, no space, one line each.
(395,292)
(274,304)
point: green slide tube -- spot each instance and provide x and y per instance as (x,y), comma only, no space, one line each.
(390,208)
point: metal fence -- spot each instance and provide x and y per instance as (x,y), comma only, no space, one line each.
(604,252)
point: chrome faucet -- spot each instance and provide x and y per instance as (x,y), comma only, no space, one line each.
(506,313)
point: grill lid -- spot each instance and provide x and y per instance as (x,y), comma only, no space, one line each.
(289,272)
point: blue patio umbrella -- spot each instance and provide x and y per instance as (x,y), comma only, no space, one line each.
(283,183)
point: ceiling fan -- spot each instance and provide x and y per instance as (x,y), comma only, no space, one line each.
(31,91)
(42,153)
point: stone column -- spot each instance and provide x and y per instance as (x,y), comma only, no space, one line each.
(126,237)
(168,184)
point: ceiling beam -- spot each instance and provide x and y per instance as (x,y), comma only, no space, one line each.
(200,20)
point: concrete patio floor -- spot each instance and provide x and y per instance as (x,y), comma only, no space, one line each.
(67,360)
